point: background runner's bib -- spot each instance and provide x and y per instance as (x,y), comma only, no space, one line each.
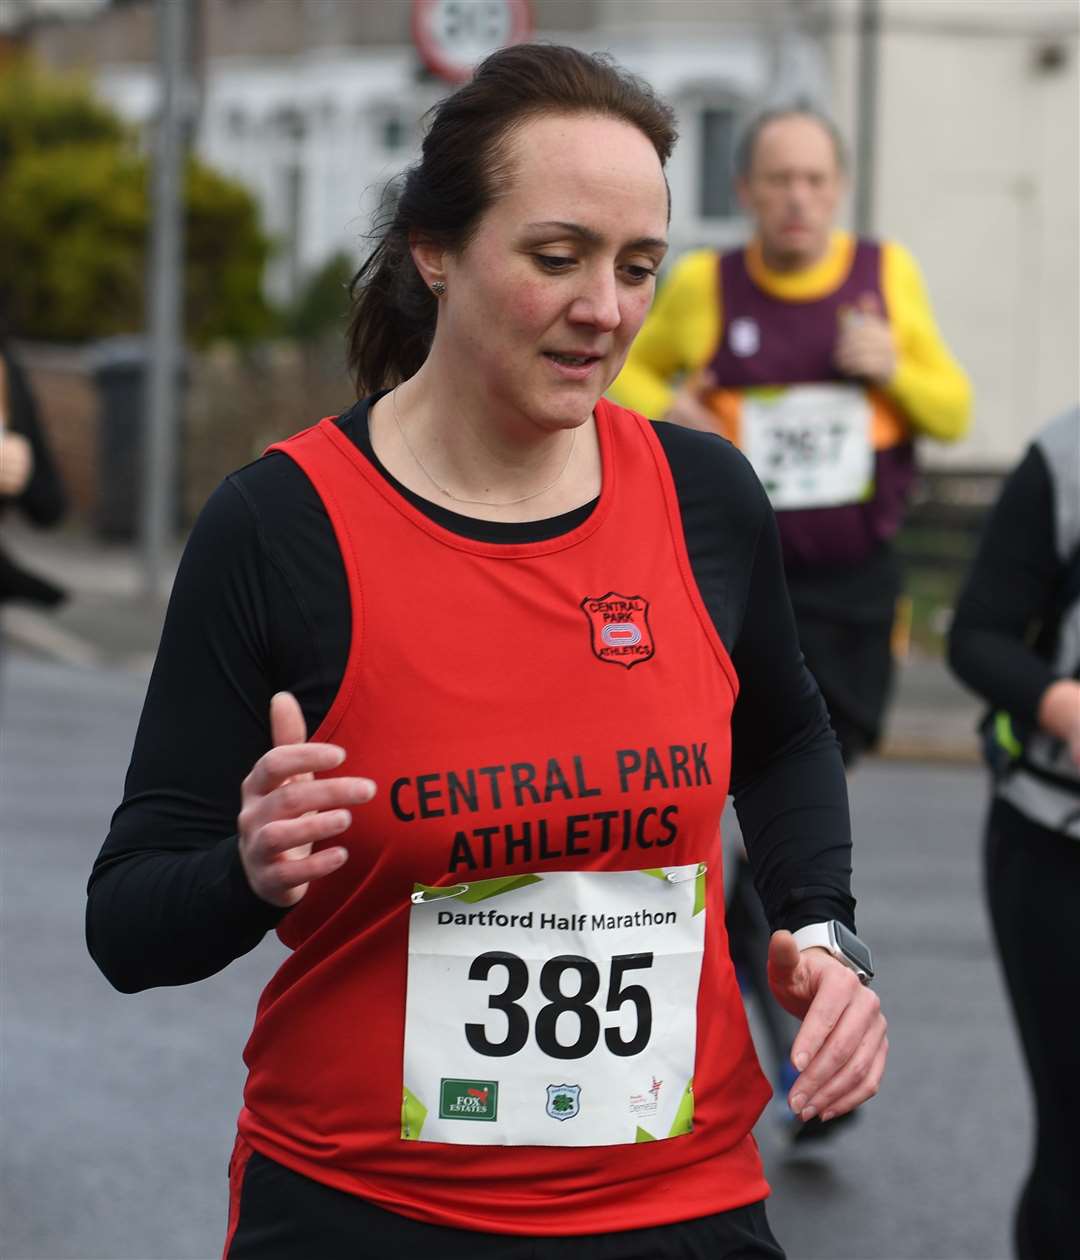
(554,1010)
(770,342)
(810,445)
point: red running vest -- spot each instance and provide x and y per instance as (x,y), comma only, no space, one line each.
(549,706)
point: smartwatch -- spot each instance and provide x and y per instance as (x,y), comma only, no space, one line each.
(841,942)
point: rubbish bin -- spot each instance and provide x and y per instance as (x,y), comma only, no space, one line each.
(120,367)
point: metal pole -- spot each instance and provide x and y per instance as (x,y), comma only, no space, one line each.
(164,299)
(866,115)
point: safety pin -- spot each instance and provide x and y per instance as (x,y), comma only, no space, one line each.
(452,890)
(679,875)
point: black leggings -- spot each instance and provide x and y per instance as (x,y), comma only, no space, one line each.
(1033,885)
(284,1216)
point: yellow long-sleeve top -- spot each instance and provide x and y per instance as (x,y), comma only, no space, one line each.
(684,328)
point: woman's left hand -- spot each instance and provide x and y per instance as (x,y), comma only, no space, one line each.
(841,1048)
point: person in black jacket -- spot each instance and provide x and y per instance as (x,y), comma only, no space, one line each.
(29,481)
(1016,641)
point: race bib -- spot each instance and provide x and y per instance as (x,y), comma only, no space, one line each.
(554,1010)
(810,444)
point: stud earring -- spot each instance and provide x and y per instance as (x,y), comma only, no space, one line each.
(438,287)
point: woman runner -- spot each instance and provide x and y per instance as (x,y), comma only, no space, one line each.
(515,620)
(1015,640)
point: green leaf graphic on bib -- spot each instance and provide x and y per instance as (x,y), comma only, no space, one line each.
(413,1115)
(658,872)
(486,888)
(684,1117)
(478,890)
(643,1135)
(767,393)
(442,893)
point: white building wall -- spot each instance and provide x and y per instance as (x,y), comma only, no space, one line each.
(703,67)
(976,171)
(318,120)
(343,102)
(975,160)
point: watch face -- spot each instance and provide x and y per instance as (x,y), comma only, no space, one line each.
(854,948)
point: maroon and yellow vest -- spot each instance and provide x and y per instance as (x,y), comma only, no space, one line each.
(769,342)
(526,710)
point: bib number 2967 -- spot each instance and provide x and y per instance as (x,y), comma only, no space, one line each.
(578,1004)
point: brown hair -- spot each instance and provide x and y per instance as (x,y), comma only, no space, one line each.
(462,169)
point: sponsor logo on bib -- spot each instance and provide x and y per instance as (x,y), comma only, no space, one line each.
(563,1101)
(468,1100)
(620,628)
(647,1102)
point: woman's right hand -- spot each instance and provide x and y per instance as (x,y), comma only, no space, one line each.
(285,810)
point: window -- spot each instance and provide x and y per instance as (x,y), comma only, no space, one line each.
(717,164)
(291,123)
(394,133)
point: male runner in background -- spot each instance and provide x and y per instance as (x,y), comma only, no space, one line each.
(816,353)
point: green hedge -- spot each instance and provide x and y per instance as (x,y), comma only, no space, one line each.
(75,222)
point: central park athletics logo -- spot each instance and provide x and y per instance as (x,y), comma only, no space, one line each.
(468,1100)
(620,628)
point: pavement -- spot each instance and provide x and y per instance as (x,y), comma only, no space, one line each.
(111,620)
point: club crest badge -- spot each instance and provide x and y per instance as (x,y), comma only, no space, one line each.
(620,628)
(744,337)
(563,1101)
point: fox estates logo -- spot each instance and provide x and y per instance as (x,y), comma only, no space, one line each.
(468,1100)
(563,1101)
(620,628)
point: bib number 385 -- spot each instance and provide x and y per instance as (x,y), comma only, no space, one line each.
(571,983)
(554,1009)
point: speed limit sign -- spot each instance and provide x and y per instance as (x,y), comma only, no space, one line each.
(452,36)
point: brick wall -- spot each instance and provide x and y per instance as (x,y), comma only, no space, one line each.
(234,406)
(68,410)
(238,404)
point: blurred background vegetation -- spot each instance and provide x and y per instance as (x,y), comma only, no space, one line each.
(75,215)
(75,219)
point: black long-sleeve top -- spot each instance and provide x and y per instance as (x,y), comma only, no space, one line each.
(1007,593)
(261,605)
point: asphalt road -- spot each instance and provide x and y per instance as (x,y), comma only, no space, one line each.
(118,1112)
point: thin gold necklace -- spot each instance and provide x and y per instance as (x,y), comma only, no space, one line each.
(479,502)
